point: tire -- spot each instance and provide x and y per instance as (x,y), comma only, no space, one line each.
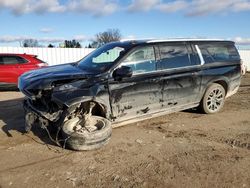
(86,140)
(213,99)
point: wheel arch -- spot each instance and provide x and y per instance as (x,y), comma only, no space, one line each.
(99,109)
(223,83)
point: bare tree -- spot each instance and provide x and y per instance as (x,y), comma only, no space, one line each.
(105,37)
(30,43)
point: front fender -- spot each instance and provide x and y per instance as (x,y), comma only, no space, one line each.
(96,93)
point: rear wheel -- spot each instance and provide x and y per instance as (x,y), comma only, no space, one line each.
(213,99)
(86,135)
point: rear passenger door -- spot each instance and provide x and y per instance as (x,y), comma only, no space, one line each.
(180,74)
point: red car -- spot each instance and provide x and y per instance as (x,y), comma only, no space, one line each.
(13,65)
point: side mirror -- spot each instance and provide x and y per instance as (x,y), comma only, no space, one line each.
(122,72)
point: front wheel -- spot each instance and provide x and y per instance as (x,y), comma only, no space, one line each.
(213,99)
(81,135)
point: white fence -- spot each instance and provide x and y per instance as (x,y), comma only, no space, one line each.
(245,56)
(54,56)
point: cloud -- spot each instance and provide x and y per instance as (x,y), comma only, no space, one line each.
(147,5)
(80,38)
(19,7)
(42,6)
(191,8)
(10,39)
(205,7)
(46,30)
(142,5)
(242,6)
(172,6)
(106,7)
(242,41)
(94,7)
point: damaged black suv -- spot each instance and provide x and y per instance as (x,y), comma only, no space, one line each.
(128,81)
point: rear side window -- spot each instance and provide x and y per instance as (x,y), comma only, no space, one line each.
(173,56)
(219,52)
(12,60)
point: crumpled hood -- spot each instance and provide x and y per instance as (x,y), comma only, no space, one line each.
(42,78)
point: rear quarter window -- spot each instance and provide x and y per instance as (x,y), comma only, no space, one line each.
(219,52)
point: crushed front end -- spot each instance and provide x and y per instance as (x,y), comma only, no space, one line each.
(39,86)
(42,110)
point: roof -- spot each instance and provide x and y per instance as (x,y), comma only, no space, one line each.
(16,54)
(174,40)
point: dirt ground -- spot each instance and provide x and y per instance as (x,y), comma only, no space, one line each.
(184,149)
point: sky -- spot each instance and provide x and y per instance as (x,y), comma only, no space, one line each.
(53,21)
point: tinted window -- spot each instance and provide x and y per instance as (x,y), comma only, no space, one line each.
(141,60)
(173,56)
(218,52)
(11,60)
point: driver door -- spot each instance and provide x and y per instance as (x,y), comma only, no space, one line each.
(139,94)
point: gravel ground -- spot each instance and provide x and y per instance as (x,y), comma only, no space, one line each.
(184,149)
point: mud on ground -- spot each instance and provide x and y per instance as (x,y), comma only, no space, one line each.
(184,149)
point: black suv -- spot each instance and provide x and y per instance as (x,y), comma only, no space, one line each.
(128,81)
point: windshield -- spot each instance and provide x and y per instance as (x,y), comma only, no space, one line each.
(102,58)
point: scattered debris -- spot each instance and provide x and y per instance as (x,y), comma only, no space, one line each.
(139,141)
(116,177)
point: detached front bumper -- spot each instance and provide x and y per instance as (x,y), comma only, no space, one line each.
(33,116)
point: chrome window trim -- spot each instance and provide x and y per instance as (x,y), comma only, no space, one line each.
(200,54)
(167,70)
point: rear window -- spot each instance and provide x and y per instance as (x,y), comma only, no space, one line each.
(219,52)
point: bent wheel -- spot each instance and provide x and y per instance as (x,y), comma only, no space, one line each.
(92,135)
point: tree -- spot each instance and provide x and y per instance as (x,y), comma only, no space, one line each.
(50,46)
(30,43)
(72,44)
(105,37)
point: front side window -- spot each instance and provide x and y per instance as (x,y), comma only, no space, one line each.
(218,52)
(173,56)
(141,60)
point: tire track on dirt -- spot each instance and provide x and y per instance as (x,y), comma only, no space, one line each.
(34,163)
